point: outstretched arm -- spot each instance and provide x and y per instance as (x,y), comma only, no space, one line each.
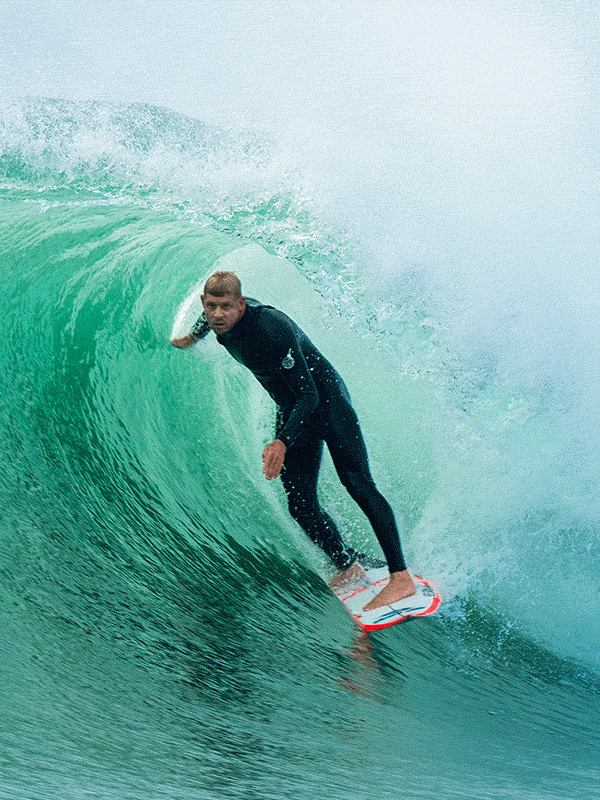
(184,341)
(199,331)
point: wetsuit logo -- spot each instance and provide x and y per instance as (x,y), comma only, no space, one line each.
(288,362)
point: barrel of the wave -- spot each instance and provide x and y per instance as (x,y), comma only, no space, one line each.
(314,408)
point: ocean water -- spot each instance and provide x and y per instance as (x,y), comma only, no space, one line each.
(417,185)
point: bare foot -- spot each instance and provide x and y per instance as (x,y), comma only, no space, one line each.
(353,575)
(400,585)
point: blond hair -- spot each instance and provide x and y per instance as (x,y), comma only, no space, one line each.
(221,283)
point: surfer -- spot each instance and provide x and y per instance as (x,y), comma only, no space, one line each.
(313,409)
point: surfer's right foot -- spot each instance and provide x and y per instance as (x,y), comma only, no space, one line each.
(399,587)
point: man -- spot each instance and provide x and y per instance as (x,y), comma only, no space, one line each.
(313,409)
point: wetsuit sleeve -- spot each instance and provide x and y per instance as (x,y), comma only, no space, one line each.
(300,381)
(201,327)
(295,373)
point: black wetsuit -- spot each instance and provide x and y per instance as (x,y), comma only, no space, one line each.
(313,408)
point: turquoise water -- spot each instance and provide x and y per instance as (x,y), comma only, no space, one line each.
(166,629)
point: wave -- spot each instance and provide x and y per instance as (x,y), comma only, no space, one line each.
(111,217)
(126,459)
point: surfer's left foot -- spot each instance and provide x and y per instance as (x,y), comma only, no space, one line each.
(355,574)
(400,585)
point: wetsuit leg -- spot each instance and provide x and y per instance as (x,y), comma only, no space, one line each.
(349,453)
(299,476)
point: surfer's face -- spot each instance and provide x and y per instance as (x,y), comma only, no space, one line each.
(223,313)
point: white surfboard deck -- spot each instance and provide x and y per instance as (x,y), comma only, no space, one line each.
(425,601)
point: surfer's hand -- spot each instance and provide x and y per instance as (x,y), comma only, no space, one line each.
(184,341)
(273,456)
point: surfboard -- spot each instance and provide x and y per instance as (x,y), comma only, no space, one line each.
(424,602)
